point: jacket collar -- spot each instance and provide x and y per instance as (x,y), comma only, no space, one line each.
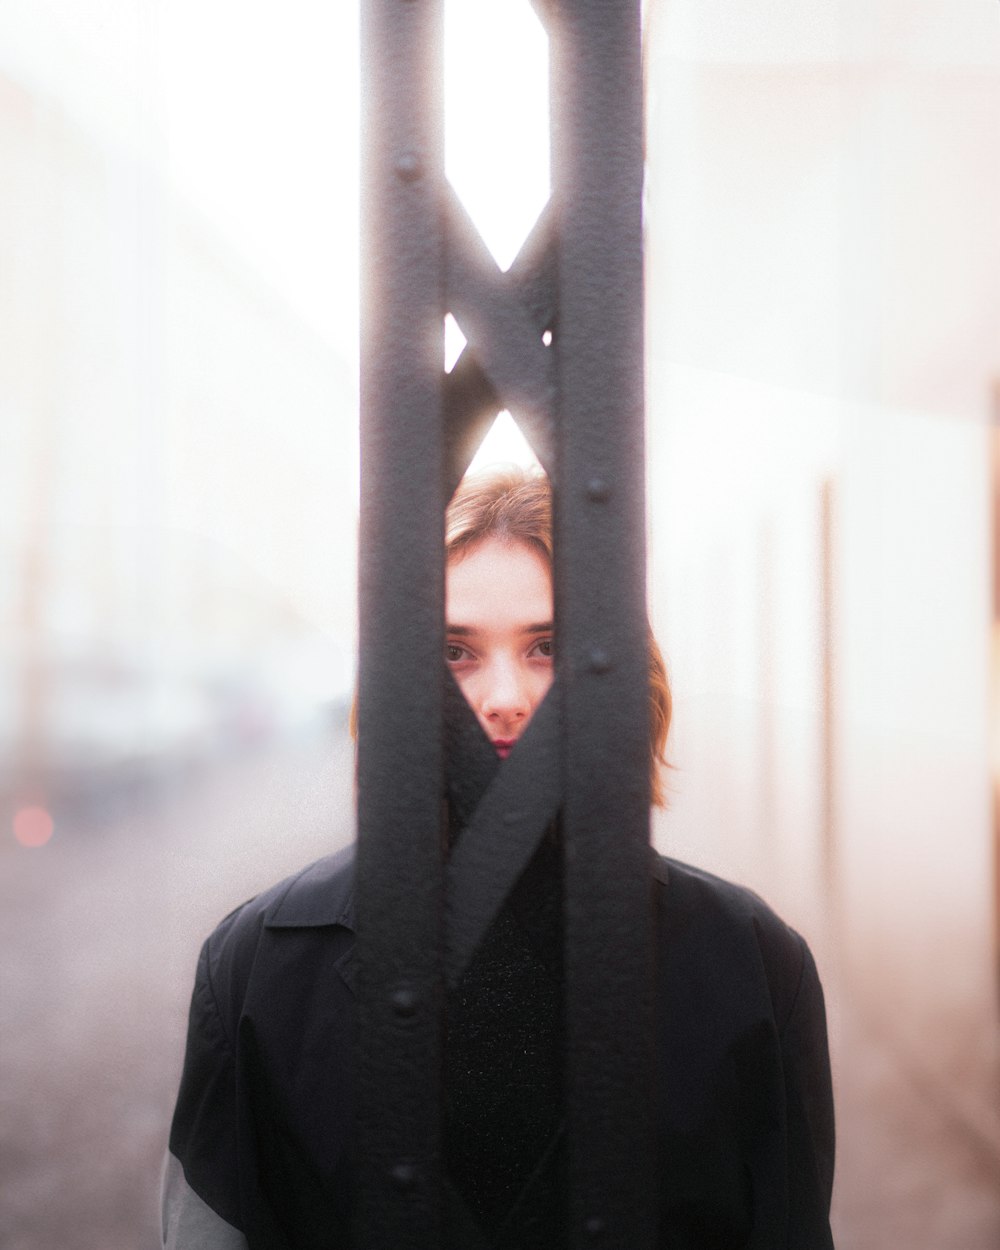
(322,894)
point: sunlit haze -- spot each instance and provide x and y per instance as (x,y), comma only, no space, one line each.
(179,485)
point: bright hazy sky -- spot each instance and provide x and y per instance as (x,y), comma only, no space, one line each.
(251,112)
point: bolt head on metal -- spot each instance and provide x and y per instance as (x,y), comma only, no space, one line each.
(404,1177)
(409,166)
(598,661)
(405,1002)
(598,490)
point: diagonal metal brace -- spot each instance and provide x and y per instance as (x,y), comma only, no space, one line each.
(502,835)
(500,330)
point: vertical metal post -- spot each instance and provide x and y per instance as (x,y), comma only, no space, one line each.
(601,618)
(401,635)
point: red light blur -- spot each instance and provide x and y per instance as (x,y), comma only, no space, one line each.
(33,826)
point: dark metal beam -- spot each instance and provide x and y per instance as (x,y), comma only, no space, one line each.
(400,838)
(601,620)
(581,400)
(500,330)
(471,401)
(508,823)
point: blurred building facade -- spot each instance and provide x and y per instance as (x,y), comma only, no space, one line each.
(824,346)
(178,499)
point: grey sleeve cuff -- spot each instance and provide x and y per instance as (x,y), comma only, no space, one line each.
(189,1223)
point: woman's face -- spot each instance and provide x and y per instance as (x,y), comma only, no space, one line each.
(498,614)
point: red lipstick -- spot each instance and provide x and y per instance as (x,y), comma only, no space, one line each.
(503,746)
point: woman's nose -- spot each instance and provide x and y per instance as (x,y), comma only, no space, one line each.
(506,697)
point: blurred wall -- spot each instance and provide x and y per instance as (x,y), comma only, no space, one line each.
(824,339)
(178,490)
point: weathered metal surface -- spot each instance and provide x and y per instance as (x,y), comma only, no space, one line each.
(580,403)
(500,331)
(600,609)
(401,590)
(502,833)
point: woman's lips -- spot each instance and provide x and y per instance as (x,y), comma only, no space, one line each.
(503,746)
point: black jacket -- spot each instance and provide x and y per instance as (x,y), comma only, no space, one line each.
(260,1138)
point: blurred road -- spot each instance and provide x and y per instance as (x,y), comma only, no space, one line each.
(100,931)
(913,1170)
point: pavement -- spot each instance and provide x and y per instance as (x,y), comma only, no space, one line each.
(913,1169)
(99,933)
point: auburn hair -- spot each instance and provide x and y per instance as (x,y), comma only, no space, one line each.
(515,506)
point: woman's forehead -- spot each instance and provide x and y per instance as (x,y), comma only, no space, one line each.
(499,580)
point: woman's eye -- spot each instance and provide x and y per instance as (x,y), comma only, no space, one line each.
(454,653)
(545,647)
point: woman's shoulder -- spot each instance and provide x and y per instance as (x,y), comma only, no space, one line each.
(723,923)
(694,889)
(321,895)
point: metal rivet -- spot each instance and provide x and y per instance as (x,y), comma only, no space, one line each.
(599,661)
(404,1002)
(594,1226)
(409,166)
(404,1176)
(547,338)
(598,490)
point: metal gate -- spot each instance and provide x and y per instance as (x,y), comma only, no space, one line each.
(558,341)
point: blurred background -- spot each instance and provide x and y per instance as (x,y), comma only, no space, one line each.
(178,504)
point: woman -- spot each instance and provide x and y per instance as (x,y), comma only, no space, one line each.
(498,544)
(260,1140)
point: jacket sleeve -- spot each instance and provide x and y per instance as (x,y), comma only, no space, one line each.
(200,1193)
(809,1109)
